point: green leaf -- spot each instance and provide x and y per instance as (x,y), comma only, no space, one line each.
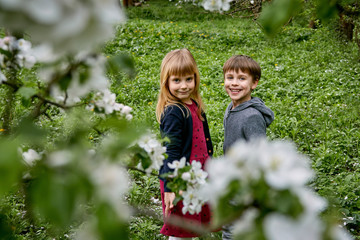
(277,14)
(121,63)
(110,226)
(10,165)
(27,92)
(84,74)
(326,9)
(57,195)
(30,132)
(65,82)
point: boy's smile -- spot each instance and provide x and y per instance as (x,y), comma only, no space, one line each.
(238,86)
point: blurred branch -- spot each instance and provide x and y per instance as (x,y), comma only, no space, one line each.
(177,221)
(9,101)
(142,171)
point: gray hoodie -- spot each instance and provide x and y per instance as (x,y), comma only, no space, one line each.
(247,121)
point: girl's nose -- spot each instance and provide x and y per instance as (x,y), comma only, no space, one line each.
(183,85)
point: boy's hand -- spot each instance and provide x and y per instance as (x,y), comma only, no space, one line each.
(169,198)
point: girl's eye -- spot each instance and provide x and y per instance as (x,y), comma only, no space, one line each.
(189,79)
(176,80)
(242,78)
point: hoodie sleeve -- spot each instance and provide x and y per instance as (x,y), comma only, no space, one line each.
(255,127)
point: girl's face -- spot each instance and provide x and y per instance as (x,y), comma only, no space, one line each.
(238,86)
(182,87)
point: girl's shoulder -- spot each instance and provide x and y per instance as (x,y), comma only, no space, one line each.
(176,110)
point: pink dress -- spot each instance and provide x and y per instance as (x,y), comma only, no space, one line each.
(198,153)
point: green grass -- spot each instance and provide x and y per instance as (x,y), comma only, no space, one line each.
(309,79)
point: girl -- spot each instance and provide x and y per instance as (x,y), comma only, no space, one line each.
(180,112)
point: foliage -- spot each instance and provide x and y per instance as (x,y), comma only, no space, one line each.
(309,80)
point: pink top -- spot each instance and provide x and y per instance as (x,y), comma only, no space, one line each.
(198,148)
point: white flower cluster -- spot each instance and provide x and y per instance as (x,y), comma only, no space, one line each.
(67,25)
(20,50)
(31,156)
(96,79)
(155,151)
(112,182)
(105,101)
(195,179)
(216,5)
(282,168)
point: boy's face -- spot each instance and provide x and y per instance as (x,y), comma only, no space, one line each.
(238,86)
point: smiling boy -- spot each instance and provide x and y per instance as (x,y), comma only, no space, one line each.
(246,117)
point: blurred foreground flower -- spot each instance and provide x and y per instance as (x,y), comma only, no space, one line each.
(67,25)
(31,156)
(154,150)
(15,53)
(261,187)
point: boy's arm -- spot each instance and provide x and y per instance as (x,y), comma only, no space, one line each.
(255,127)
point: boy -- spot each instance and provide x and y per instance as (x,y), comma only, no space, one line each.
(245,117)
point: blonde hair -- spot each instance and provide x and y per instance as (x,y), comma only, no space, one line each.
(179,62)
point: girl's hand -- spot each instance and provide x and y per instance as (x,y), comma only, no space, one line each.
(169,198)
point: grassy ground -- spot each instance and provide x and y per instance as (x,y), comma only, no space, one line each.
(309,79)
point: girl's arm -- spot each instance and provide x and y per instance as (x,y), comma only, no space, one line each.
(172,126)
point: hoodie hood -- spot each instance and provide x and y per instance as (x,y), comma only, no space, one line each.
(256,103)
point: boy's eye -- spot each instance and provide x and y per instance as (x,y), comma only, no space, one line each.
(229,77)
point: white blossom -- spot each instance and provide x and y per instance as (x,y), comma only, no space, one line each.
(176,165)
(59,158)
(155,151)
(21,49)
(112,182)
(284,167)
(31,156)
(339,233)
(186,176)
(78,88)
(246,223)
(199,174)
(312,203)
(281,227)
(191,201)
(2,77)
(68,25)
(216,5)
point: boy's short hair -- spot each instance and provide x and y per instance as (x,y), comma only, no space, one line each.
(243,63)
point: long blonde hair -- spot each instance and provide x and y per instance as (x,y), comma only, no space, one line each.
(179,62)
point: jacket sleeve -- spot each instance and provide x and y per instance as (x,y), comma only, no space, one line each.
(172,126)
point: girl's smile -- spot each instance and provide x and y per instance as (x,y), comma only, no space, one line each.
(182,87)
